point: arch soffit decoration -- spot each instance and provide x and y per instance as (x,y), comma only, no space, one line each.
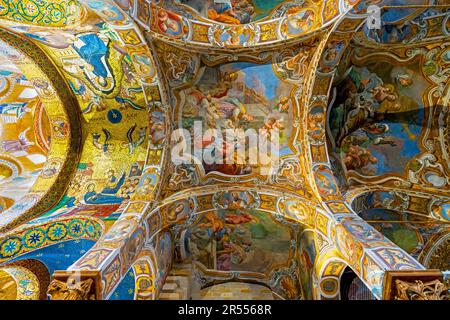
(35,290)
(28,238)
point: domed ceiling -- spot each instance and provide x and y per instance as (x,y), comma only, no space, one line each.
(358,118)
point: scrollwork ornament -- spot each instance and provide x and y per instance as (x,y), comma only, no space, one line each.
(419,290)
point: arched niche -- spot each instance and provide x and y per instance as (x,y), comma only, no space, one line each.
(329,282)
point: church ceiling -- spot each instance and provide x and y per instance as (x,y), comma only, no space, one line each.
(394,120)
(97,99)
(245,244)
(100,68)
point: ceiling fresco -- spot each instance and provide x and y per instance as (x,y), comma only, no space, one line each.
(59,13)
(233,12)
(393,112)
(36,135)
(231,96)
(375,119)
(116,161)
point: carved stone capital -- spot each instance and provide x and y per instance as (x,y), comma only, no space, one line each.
(415,285)
(75,285)
(432,290)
